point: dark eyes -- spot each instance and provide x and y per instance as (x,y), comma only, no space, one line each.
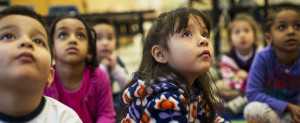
(7,37)
(283,26)
(186,34)
(81,36)
(64,35)
(39,41)
(205,34)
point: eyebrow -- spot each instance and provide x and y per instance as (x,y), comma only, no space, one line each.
(41,33)
(63,28)
(8,27)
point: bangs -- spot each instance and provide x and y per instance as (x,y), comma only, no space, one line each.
(181,19)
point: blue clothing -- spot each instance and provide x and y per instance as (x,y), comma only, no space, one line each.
(166,101)
(271,83)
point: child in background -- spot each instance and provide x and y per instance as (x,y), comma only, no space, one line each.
(173,83)
(273,87)
(106,45)
(79,82)
(26,70)
(243,35)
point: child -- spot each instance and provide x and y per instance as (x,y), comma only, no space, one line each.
(273,87)
(106,44)
(26,69)
(78,81)
(243,33)
(172,83)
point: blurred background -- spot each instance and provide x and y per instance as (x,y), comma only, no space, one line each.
(133,18)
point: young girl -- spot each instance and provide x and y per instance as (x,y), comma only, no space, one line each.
(243,35)
(273,86)
(25,69)
(173,83)
(106,45)
(78,82)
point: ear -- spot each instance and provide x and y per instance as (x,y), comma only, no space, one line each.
(50,77)
(159,54)
(267,36)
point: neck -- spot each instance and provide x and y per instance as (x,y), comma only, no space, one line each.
(19,103)
(244,52)
(70,75)
(286,58)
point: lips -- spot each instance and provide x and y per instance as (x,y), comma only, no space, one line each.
(72,50)
(205,52)
(291,41)
(26,56)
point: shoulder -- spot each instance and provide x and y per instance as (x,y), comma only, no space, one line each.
(59,112)
(168,96)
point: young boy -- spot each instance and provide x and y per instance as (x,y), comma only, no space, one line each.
(25,65)
(106,45)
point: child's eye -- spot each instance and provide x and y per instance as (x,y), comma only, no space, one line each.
(186,34)
(246,30)
(297,26)
(39,41)
(205,34)
(62,35)
(109,37)
(81,36)
(7,37)
(281,27)
(237,32)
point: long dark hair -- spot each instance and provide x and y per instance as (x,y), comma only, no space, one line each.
(91,40)
(162,28)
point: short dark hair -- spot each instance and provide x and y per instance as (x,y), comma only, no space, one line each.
(25,11)
(91,39)
(274,10)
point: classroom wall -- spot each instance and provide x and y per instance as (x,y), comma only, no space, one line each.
(42,6)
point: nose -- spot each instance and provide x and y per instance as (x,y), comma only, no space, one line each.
(72,39)
(291,30)
(26,43)
(104,41)
(203,43)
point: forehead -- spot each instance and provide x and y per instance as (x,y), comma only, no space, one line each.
(103,27)
(22,22)
(241,23)
(196,20)
(287,16)
(70,23)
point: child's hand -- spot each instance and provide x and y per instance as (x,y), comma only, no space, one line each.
(295,111)
(109,61)
(242,74)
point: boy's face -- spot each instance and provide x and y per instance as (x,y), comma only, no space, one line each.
(242,35)
(285,31)
(190,51)
(70,41)
(106,40)
(25,60)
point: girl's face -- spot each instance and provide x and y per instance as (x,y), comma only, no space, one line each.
(285,31)
(190,51)
(106,40)
(25,54)
(242,35)
(70,41)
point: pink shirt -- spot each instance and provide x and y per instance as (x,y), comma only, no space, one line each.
(92,101)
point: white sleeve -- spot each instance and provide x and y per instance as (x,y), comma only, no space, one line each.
(119,74)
